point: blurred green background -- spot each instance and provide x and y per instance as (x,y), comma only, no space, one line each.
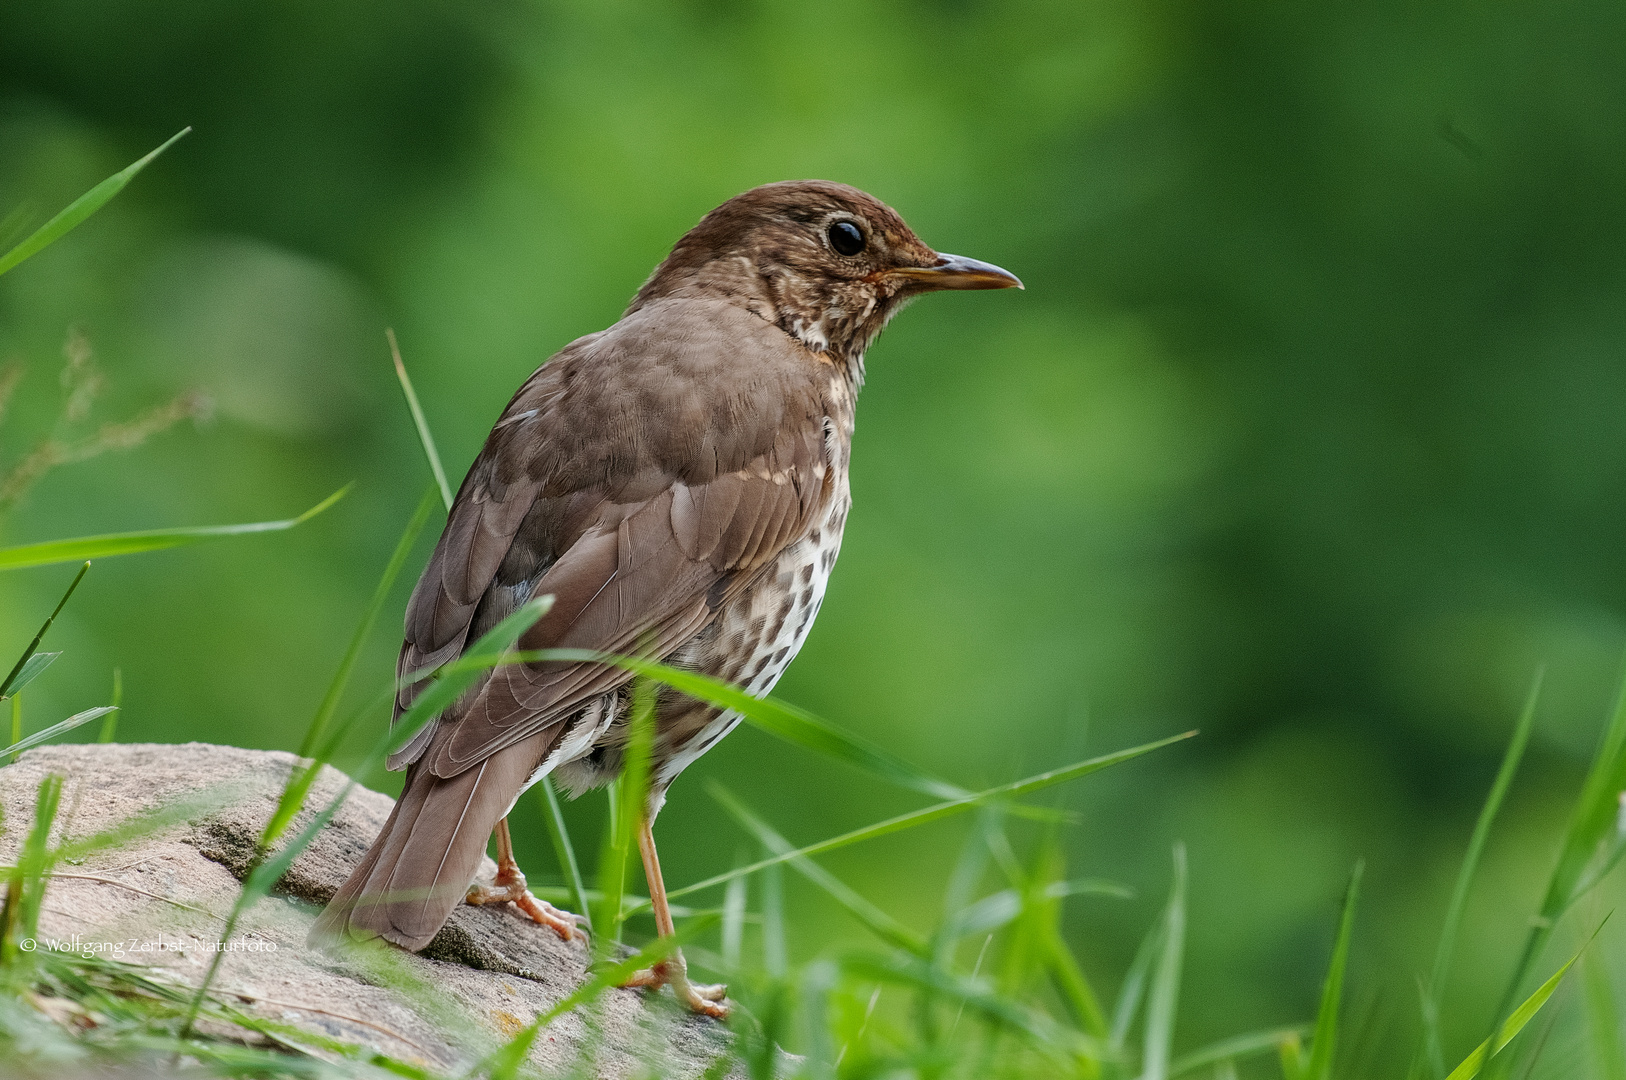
(1307,432)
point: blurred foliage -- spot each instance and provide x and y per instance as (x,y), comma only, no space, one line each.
(1306,432)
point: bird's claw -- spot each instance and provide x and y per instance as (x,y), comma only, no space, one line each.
(708,1000)
(509,887)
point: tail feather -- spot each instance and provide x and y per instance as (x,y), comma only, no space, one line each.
(423,861)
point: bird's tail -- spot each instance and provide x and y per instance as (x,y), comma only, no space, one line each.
(423,861)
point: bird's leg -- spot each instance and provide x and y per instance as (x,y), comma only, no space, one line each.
(674,970)
(510,885)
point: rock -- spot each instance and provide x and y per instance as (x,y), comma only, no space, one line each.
(161,899)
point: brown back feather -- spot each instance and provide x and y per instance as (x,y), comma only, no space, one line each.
(628,498)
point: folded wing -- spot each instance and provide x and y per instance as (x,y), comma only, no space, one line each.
(639,553)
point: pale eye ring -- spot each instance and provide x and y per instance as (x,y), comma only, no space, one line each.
(846,238)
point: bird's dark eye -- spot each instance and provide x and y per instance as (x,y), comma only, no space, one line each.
(846,238)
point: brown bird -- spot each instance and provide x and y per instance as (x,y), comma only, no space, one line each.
(678,484)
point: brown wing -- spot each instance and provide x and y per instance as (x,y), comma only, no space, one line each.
(640,478)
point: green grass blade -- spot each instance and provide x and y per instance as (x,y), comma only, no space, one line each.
(1612,850)
(630,799)
(266,873)
(908,970)
(80,209)
(430,702)
(1237,1046)
(130,543)
(25,887)
(41,737)
(1034,949)
(1290,1053)
(735,901)
(630,901)
(783,720)
(447,685)
(381,594)
(617,973)
(452,679)
(145,823)
(1593,823)
(300,781)
(1513,1024)
(938,812)
(270,871)
(963,883)
(1431,1050)
(1134,987)
(110,724)
(31,670)
(1068,975)
(554,817)
(877,921)
(8,687)
(499,640)
(13,224)
(304,773)
(774,952)
(1023,957)
(504,1063)
(419,421)
(999,909)
(819,980)
(1603,1022)
(1325,1040)
(36,857)
(1164,995)
(29,665)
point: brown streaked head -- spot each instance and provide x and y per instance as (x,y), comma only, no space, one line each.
(827,263)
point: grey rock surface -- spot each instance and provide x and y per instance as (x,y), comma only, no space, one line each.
(161,899)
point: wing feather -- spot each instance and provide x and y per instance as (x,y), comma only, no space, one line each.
(639,510)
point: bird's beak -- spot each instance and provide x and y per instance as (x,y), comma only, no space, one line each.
(957,272)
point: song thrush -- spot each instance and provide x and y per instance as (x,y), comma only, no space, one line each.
(678,484)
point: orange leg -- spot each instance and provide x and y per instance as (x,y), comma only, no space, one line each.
(510,886)
(674,970)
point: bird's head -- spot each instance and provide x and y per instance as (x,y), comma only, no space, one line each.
(827,263)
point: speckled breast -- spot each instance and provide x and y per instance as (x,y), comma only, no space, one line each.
(754,639)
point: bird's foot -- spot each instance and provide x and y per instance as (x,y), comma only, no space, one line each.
(509,887)
(707,1000)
